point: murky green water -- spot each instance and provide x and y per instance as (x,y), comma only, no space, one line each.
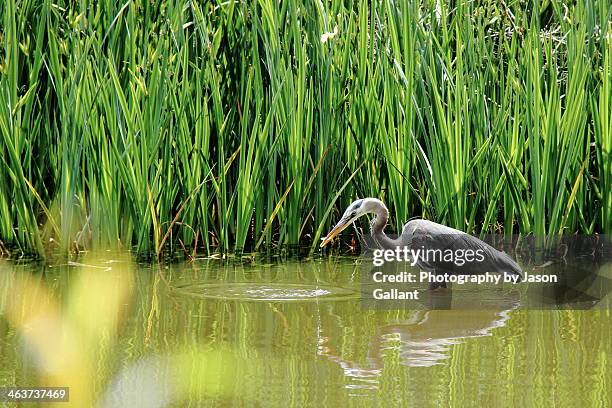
(210,333)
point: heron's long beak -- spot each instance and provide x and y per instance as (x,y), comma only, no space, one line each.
(336,230)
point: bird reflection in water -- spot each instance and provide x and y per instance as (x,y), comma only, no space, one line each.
(427,338)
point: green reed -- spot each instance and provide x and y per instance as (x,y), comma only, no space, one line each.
(232,126)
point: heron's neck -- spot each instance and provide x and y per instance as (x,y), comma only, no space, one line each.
(377,228)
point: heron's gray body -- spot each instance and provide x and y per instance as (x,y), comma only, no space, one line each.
(424,234)
(428,235)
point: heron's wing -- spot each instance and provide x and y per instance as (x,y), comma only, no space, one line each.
(436,241)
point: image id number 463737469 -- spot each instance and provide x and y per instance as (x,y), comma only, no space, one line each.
(34,394)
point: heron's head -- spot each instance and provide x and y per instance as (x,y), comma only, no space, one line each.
(354,211)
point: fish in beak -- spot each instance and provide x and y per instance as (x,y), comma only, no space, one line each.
(341,226)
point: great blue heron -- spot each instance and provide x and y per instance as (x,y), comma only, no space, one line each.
(423,234)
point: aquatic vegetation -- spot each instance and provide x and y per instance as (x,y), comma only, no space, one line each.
(172,126)
(74,344)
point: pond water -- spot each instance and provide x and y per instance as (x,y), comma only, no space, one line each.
(243,332)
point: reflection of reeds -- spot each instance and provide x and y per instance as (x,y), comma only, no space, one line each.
(161,346)
(159,124)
